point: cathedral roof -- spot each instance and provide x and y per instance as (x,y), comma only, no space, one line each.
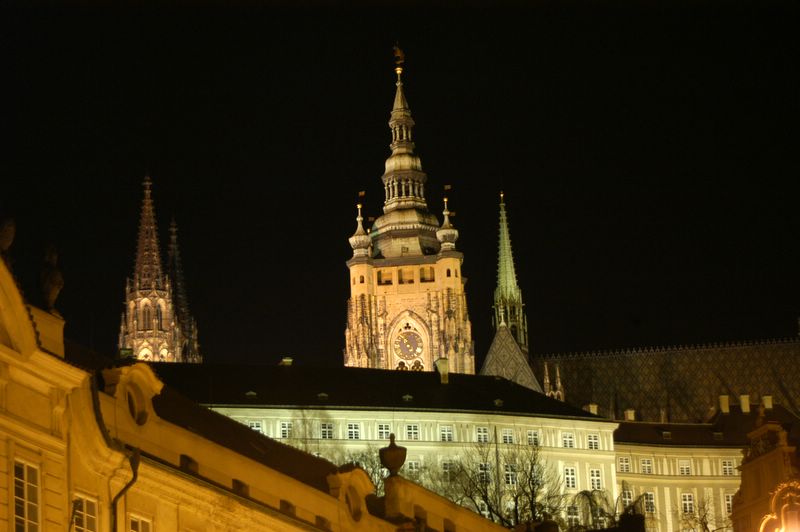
(684,382)
(359,388)
(506,359)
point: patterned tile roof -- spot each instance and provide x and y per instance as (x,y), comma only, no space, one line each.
(682,383)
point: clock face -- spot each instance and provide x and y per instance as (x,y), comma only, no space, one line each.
(408,345)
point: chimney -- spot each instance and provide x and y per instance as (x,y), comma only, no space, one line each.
(630,414)
(442,366)
(724,404)
(766,400)
(591,408)
(744,403)
(286,361)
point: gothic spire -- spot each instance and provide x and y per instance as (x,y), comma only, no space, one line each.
(508,296)
(176,274)
(148,260)
(507,288)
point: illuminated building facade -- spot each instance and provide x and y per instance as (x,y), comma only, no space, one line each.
(156,324)
(407,306)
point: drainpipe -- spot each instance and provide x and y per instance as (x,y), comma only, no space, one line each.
(134,459)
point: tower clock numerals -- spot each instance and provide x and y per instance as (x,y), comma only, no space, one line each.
(408,345)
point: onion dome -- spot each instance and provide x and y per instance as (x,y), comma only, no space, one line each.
(360,241)
(447,234)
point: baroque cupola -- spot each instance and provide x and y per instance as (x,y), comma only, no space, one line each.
(360,240)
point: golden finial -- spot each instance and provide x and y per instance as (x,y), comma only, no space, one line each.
(399,60)
(445,203)
(501,196)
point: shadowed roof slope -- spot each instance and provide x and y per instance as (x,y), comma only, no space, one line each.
(358,388)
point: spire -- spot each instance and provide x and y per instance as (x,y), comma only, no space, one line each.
(186,324)
(360,240)
(447,234)
(507,288)
(507,296)
(148,260)
(404,180)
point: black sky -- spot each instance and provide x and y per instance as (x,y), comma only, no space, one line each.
(649,157)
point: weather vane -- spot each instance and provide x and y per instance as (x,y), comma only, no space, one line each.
(399,59)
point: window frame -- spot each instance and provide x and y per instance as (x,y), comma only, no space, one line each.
(76,513)
(534,438)
(384,430)
(646,466)
(649,499)
(353,430)
(140,520)
(595,479)
(286,429)
(728,468)
(27,467)
(624,464)
(570,477)
(446,433)
(507,436)
(593,442)
(482,434)
(510,474)
(684,468)
(326,430)
(687,503)
(412,431)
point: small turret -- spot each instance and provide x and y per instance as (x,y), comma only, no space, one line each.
(360,240)
(447,234)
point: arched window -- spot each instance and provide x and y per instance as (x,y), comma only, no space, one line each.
(158,318)
(448,272)
(146,317)
(361,279)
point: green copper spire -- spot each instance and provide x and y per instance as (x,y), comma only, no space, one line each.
(508,304)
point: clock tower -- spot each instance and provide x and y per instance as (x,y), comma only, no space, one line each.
(407,306)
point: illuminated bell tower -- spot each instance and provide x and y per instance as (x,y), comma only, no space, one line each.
(150,328)
(407,305)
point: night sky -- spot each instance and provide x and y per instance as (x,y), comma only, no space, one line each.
(649,158)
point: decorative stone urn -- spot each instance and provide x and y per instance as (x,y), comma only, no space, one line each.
(393,457)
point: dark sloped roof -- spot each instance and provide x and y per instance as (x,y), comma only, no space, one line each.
(723,430)
(308,469)
(506,359)
(683,381)
(357,388)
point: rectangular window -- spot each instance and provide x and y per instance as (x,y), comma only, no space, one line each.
(426,274)
(483,509)
(384,429)
(511,474)
(412,432)
(646,466)
(568,440)
(624,464)
(448,470)
(412,467)
(570,480)
(687,503)
(533,437)
(650,502)
(508,435)
(729,503)
(26,497)
(326,431)
(684,467)
(384,277)
(595,481)
(572,516)
(139,524)
(353,431)
(84,512)
(627,498)
(484,473)
(446,433)
(256,426)
(593,441)
(286,429)
(482,434)
(727,468)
